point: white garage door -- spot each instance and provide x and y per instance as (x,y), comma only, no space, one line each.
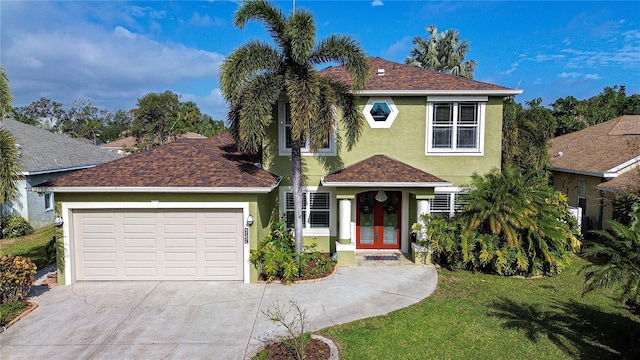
(158,244)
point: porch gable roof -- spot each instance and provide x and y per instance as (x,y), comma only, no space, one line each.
(382,171)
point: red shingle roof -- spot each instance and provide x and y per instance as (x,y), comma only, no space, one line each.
(380,169)
(598,148)
(402,77)
(186,163)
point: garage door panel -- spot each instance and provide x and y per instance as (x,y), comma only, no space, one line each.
(140,257)
(158,244)
(137,243)
(100,257)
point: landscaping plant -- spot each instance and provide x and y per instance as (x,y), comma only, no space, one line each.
(276,258)
(294,320)
(15,226)
(616,255)
(16,278)
(512,224)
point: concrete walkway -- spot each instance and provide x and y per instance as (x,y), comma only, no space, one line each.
(198,320)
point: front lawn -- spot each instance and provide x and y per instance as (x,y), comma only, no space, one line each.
(32,246)
(477,316)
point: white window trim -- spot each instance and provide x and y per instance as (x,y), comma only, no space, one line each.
(51,202)
(453,192)
(284,151)
(380,124)
(479,151)
(333,206)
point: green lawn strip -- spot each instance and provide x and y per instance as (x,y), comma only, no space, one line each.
(31,246)
(478,316)
(10,310)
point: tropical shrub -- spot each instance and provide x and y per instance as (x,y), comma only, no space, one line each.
(616,255)
(15,226)
(622,207)
(276,258)
(512,224)
(16,278)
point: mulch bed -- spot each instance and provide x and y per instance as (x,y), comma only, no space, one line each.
(316,350)
(304,277)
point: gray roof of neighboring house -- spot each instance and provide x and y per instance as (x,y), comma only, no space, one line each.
(43,151)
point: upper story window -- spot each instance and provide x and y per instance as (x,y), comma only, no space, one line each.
(284,135)
(455,126)
(380,112)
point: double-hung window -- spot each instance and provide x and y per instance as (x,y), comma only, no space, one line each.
(316,210)
(447,204)
(455,127)
(284,136)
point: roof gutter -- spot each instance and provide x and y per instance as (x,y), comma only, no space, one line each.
(505,92)
(385,184)
(625,164)
(156,189)
(607,174)
(49,171)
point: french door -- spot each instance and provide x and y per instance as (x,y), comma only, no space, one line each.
(378,220)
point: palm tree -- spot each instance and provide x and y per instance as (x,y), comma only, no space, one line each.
(442,52)
(502,203)
(617,259)
(10,169)
(257,73)
(5,95)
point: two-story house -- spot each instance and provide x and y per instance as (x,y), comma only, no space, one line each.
(193,209)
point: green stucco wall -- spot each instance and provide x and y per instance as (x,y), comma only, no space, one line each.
(404,141)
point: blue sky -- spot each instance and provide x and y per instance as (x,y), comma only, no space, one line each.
(112,53)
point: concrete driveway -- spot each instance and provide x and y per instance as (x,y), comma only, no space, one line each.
(198,320)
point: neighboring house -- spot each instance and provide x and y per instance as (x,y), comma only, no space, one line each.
(594,164)
(194,208)
(125,145)
(45,156)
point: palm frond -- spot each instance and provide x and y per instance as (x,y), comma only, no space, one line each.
(244,64)
(260,10)
(344,50)
(301,31)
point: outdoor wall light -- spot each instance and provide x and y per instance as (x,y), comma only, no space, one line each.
(249,220)
(58,221)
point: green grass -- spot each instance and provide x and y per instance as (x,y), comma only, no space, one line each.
(10,311)
(32,246)
(478,316)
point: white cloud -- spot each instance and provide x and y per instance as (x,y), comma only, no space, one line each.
(110,67)
(513,68)
(578,76)
(377,3)
(399,47)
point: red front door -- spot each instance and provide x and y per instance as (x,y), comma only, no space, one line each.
(378,220)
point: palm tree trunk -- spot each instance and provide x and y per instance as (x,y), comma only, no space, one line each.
(296,174)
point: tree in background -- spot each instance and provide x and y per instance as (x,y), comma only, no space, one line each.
(574,115)
(156,118)
(44,113)
(116,125)
(442,52)
(10,170)
(526,135)
(6,97)
(255,74)
(10,162)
